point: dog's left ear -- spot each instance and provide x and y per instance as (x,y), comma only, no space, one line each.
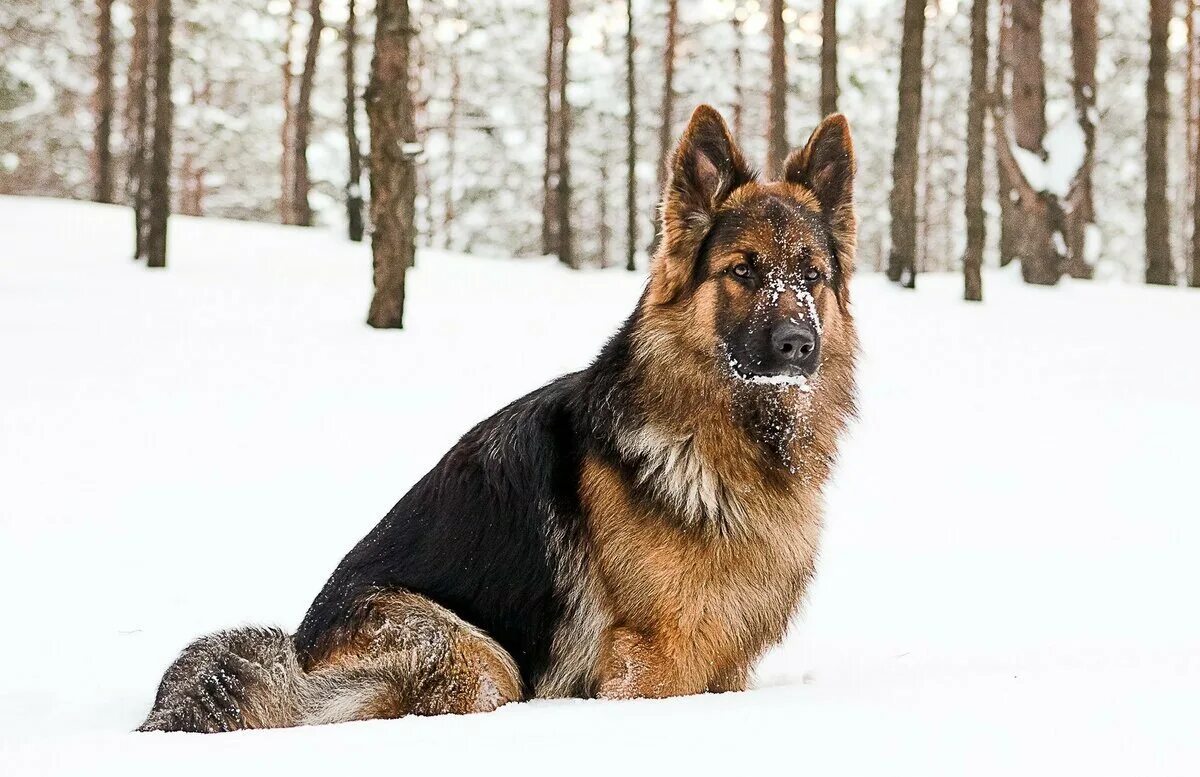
(825,166)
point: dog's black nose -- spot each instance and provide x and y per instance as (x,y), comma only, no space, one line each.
(792,342)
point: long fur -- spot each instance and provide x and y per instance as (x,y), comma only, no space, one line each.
(644,527)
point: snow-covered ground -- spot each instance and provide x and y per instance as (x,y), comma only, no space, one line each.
(1008,584)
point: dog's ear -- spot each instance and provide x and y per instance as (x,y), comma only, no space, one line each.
(825,166)
(705,169)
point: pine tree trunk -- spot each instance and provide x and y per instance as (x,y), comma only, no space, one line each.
(101,147)
(976,128)
(393,167)
(1033,217)
(555,50)
(1191,124)
(1194,153)
(1158,115)
(666,127)
(138,122)
(777,144)
(304,115)
(1006,192)
(448,212)
(566,253)
(160,163)
(1079,214)
(739,89)
(829,47)
(287,132)
(602,216)
(903,201)
(354,200)
(631,137)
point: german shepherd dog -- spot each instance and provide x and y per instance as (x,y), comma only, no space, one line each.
(645,527)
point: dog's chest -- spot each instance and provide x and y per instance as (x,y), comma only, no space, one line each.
(721,596)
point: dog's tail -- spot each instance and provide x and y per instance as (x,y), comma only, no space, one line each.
(242,678)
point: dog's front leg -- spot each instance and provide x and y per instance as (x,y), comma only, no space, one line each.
(637,665)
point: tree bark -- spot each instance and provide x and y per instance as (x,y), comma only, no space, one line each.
(287,132)
(160,162)
(448,212)
(631,138)
(137,122)
(393,167)
(1079,214)
(566,253)
(304,115)
(1193,153)
(555,189)
(739,88)
(1158,115)
(829,47)
(101,146)
(976,129)
(354,199)
(666,127)
(1032,217)
(903,200)
(1194,79)
(777,144)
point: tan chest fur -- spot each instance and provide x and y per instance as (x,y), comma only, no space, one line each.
(702,605)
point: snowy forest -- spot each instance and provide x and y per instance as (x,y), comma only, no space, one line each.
(1058,134)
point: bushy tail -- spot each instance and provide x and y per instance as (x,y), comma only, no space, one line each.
(231,680)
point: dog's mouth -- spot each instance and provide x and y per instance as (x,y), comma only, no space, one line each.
(791,378)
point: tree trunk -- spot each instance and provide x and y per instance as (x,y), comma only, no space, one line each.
(1158,115)
(829,46)
(304,115)
(101,148)
(556,50)
(1193,153)
(1194,78)
(666,127)
(566,252)
(1079,214)
(393,167)
(739,88)
(602,216)
(160,162)
(138,121)
(903,201)
(1006,193)
(631,134)
(287,132)
(354,200)
(976,128)
(777,144)
(1020,118)
(448,213)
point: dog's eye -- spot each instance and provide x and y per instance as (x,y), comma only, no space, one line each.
(741,270)
(812,275)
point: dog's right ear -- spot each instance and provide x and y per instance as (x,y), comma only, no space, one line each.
(705,169)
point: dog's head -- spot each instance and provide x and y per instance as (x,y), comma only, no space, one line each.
(755,274)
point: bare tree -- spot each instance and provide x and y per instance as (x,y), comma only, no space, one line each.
(777,144)
(159,208)
(354,199)
(1029,217)
(631,140)
(666,127)
(903,202)
(137,122)
(556,178)
(448,211)
(1158,117)
(829,47)
(976,129)
(1079,214)
(1194,144)
(102,176)
(393,166)
(739,87)
(287,131)
(304,115)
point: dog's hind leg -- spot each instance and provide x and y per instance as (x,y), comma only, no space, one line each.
(406,655)
(400,654)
